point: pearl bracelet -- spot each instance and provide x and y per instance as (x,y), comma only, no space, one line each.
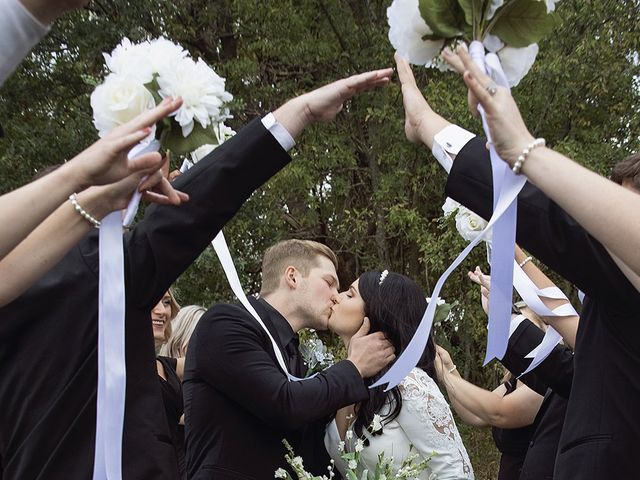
(517,166)
(524,262)
(86,215)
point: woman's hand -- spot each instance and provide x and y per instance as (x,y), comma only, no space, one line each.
(509,133)
(485,286)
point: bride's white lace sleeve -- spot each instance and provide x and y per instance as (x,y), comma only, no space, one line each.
(428,423)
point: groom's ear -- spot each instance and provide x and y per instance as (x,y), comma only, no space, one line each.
(291,277)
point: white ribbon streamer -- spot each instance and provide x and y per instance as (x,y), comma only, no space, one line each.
(112,372)
(222,250)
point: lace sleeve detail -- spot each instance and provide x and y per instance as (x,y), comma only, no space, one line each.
(428,422)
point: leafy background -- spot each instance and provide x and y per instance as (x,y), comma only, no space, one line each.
(356,184)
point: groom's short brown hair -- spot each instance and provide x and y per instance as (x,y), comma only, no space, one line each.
(628,169)
(302,254)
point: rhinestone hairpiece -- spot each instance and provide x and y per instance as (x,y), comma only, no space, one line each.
(383,275)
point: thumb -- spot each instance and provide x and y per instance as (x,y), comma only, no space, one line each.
(147,162)
(364,328)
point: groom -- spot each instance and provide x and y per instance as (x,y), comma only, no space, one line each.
(239,404)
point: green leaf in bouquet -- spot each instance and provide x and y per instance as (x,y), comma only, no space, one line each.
(351,475)
(467,8)
(445,17)
(173,141)
(523,22)
(442,312)
(154,88)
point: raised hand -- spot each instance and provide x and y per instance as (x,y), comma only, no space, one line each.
(416,108)
(106,160)
(370,353)
(324,103)
(485,286)
(508,131)
(443,362)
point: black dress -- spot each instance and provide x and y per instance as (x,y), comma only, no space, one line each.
(513,443)
(171,388)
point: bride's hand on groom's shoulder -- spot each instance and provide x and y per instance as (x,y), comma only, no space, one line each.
(370,353)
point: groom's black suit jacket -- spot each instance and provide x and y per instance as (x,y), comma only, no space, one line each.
(239,405)
(602,425)
(48,336)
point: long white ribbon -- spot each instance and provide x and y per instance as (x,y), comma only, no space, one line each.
(112,372)
(221,248)
(506,187)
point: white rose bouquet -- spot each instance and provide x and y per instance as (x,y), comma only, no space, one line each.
(420,29)
(142,74)
(468,223)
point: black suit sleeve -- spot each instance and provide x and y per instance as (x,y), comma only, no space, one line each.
(170,238)
(544,229)
(231,355)
(554,372)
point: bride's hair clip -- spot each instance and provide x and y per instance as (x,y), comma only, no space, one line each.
(383,275)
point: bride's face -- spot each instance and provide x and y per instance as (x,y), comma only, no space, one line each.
(347,313)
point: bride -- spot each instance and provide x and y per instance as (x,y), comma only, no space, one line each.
(414,415)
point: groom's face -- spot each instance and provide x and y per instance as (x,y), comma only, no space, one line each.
(316,293)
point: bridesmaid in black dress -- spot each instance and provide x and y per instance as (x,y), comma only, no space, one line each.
(170,382)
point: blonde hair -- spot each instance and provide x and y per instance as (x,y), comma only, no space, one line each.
(302,254)
(175,309)
(184,324)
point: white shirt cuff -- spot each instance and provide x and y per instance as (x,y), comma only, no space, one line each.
(515,323)
(449,141)
(278,131)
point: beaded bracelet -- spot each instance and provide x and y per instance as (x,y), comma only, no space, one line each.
(525,261)
(517,166)
(86,215)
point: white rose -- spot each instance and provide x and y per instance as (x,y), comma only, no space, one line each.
(468,224)
(516,62)
(202,91)
(406,29)
(118,100)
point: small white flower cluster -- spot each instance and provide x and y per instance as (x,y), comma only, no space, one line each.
(315,354)
(468,224)
(140,74)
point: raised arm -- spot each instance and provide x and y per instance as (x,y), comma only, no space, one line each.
(104,162)
(220,183)
(606,210)
(515,410)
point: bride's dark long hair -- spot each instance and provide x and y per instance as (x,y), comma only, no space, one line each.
(395,308)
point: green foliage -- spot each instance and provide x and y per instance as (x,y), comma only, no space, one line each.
(355,184)
(520,23)
(445,17)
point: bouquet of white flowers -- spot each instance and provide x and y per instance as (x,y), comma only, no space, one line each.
(142,74)
(468,223)
(420,29)
(410,468)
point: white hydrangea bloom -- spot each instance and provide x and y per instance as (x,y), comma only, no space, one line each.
(202,90)
(406,29)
